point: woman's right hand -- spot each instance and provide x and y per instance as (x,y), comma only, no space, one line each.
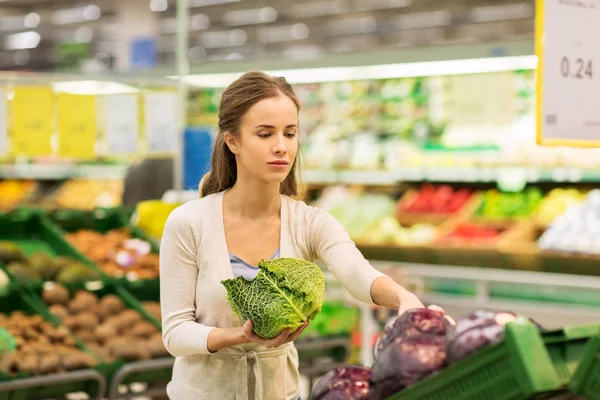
(285,336)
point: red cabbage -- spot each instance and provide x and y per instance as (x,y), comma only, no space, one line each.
(346,382)
(479,329)
(413,322)
(406,361)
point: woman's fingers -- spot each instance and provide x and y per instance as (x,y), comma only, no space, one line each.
(442,311)
(298,332)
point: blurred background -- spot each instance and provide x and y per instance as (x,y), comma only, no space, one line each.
(418,133)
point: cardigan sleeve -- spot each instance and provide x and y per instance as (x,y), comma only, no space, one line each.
(182,335)
(331,243)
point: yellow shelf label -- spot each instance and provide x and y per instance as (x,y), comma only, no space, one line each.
(32,121)
(77,126)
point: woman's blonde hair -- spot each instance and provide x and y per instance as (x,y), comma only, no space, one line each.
(236,100)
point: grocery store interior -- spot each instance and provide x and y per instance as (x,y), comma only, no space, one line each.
(421,133)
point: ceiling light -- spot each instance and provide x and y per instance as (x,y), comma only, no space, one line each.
(91,13)
(159,5)
(237,37)
(92,87)
(268,14)
(388,71)
(300,31)
(197,54)
(84,34)
(200,22)
(32,20)
(204,3)
(21,57)
(21,41)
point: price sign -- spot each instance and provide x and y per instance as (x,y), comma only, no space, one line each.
(161,121)
(3,123)
(77,126)
(122,124)
(568,75)
(32,121)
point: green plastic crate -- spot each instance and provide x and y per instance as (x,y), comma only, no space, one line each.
(100,290)
(32,232)
(104,220)
(586,380)
(19,300)
(517,368)
(566,348)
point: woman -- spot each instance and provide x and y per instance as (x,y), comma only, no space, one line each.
(246,214)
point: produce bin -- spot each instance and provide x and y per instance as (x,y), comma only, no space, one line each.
(89,381)
(130,302)
(32,233)
(571,263)
(586,380)
(103,221)
(412,254)
(407,218)
(516,368)
(566,348)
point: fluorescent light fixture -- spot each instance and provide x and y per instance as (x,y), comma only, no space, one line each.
(501,13)
(428,19)
(21,41)
(84,34)
(217,39)
(370,5)
(93,87)
(283,33)
(250,16)
(204,3)
(159,5)
(405,70)
(319,9)
(12,23)
(76,15)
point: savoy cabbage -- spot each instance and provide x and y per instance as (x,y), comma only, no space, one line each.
(285,294)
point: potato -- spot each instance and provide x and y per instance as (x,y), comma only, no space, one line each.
(49,363)
(85,334)
(76,360)
(59,311)
(111,304)
(130,351)
(71,322)
(29,364)
(143,329)
(58,334)
(56,294)
(153,307)
(105,331)
(83,301)
(129,317)
(156,347)
(87,320)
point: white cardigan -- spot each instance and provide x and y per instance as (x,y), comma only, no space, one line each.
(194,259)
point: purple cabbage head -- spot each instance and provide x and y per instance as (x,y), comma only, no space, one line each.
(346,382)
(413,322)
(406,361)
(479,329)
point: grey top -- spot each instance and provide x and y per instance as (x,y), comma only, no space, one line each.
(242,268)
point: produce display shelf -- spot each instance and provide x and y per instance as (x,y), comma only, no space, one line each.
(32,232)
(26,387)
(517,368)
(141,371)
(62,171)
(586,380)
(103,220)
(46,386)
(451,174)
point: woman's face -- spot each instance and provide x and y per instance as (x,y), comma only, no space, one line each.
(268,142)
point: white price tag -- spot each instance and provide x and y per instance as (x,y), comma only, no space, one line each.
(161,112)
(567,35)
(3,124)
(122,123)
